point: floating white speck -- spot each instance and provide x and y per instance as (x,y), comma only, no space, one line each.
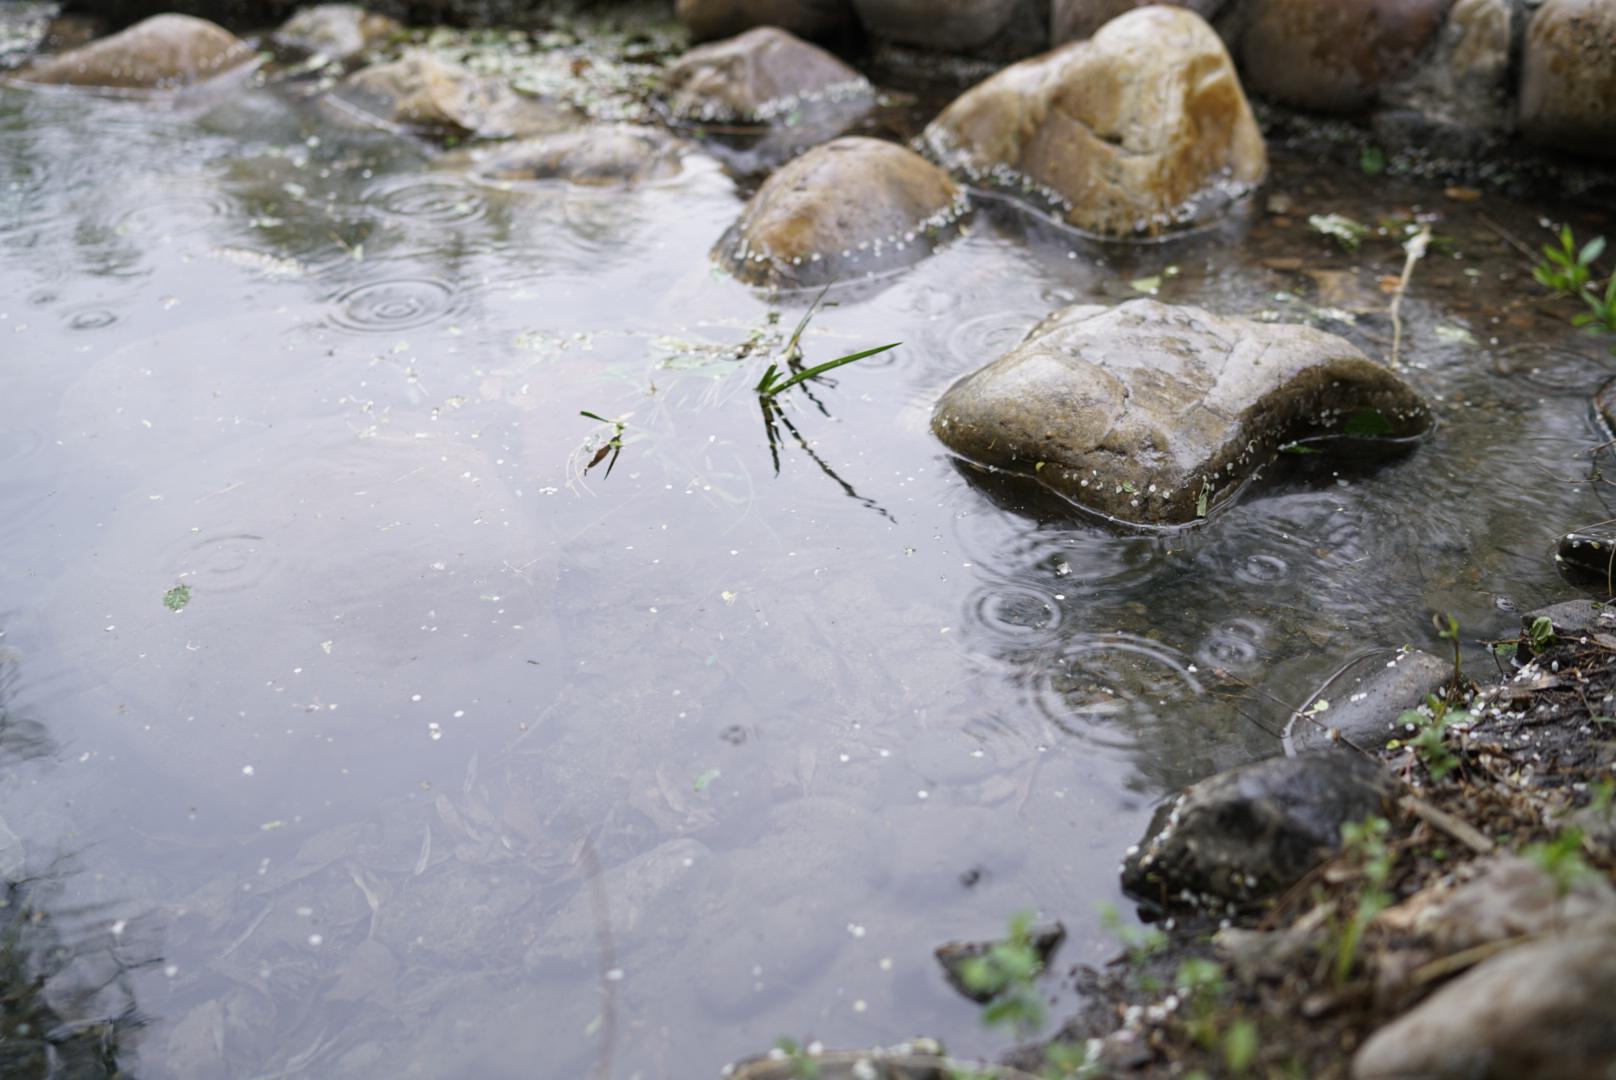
(246,770)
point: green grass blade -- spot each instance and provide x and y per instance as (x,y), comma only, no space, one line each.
(593,416)
(766,385)
(820,369)
(802,324)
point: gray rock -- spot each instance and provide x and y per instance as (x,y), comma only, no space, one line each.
(1511,897)
(1075,20)
(1044,940)
(1140,129)
(336,31)
(164,52)
(1253,831)
(708,19)
(921,1059)
(1573,618)
(1335,56)
(1363,710)
(1587,553)
(764,75)
(1568,77)
(1462,82)
(1598,825)
(851,208)
(608,155)
(951,25)
(422,93)
(1156,415)
(1542,1009)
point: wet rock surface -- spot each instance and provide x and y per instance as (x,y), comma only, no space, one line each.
(1363,710)
(1462,83)
(955,956)
(423,93)
(850,208)
(1332,57)
(1568,77)
(1142,128)
(709,19)
(603,156)
(336,31)
(922,1059)
(1587,554)
(1152,414)
(953,25)
(1571,618)
(1541,1009)
(1513,897)
(1251,832)
(1076,20)
(163,52)
(764,75)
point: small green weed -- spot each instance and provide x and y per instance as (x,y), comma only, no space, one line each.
(1561,858)
(176,598)
(1349,234)
(1447,628)
(1566,269)
(1140,942)
(1431,724)
(774,383)
(613,446)
(1541,633)
(1365,844)
(1006,977)
(1600,318)
(803,1064)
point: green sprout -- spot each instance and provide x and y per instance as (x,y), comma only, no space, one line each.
(1365,843)
(773,383)
(1565,270)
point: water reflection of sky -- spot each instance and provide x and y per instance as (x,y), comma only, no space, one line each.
(465,761)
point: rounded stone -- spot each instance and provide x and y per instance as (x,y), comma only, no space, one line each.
(163,52)
(762,75)
(610,155)
(423,93)
(1142,128)
(1332,55)
(1568,77)
(337,31)
(1077,20)
(708,19)
(850,208)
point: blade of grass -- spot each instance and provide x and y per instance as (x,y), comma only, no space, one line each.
(792,348)
(770,390)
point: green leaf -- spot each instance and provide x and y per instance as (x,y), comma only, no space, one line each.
(177,597)
(1368,422)
(1591,250)
(1372,160)
(769,389)
(707,778)
(1150,286)
(1240,1046)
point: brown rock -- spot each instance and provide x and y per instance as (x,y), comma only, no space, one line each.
(762,75)
(1568,77)
(951,25)
(611,155)
(850,208)
(1332,55)
(338,31)
(708,19)
(1078,20)
(163,52)
(432,96)
(1139,129)
(1154,415)
(1462,81)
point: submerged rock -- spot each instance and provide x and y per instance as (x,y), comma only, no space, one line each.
(434,97)
(336,31)
(1568,77)
(708,19)
(1542,1009)
(955,25)
(1143,127)
(1155,415)
(1363,711)
(1332,55)
(609,155)
(1043,940)
(850,208)
(1253,831)
(164,52)
(764,75)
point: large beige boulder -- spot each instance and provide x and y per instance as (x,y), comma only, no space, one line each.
(708,19)
(1568,77)
(432,96)
(1140,129)
(1155,415)
(851,208)
(1332,55)
(763,75)
(163,52)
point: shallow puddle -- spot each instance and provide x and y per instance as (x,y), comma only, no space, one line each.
(463,757)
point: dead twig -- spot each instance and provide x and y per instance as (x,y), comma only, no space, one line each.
(1416,247)
(1461,831)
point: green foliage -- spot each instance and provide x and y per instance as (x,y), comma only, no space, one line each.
(176,598)
(1372,161)
(1141,942)
(1566,270)
(1070,1061)
(614,445)
(1561,858)
(1006,976)
(1365,844)
(1200,985)
(802,1062)
(1541,633)
(1430,740)
(1600,318)
(1349,234)
(773,382)
(1240,1045)
(1447,628)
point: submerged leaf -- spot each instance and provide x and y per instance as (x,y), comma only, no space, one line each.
(177,597)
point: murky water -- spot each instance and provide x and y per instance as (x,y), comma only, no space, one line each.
(464,758)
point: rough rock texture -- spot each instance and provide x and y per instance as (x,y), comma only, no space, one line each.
(1587,554)
(1077,20)
(1542,1009)
(1364,710)
(433,96)
(162,53)
(1568,77)
(1463,81)
(1574,618)
(1332,56)
(614,154)
(1253,831)
(849,208)
(919,1060)
(1140,128)
(1511,897)
(338,31)
(1154,415)
(708,19)
(762,75)
(956,25)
